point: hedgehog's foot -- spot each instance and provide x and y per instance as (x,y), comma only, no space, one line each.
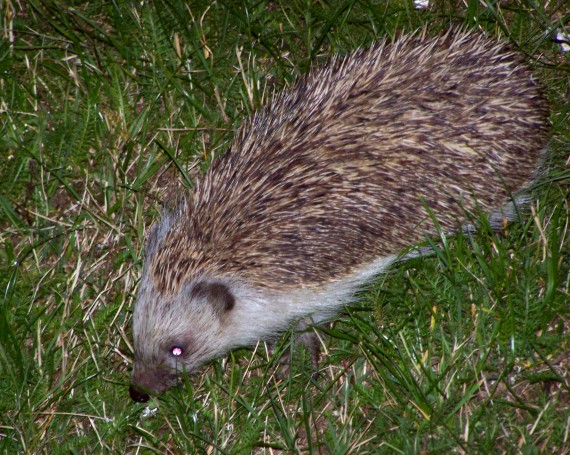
(305,335)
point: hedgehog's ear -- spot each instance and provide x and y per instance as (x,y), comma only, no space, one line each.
(215,293)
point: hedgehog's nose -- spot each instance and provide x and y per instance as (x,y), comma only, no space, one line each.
(138,395)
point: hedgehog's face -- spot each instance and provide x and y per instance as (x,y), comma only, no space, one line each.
(177,333)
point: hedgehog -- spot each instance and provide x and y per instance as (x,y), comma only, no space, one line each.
(324,187)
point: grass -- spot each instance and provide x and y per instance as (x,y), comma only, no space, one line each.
(109,108)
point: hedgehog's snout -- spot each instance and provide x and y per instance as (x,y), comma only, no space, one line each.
(138,395)
(150,380)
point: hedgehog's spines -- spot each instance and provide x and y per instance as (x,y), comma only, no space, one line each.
(296,170)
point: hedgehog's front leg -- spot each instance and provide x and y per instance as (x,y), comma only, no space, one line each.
(305,334)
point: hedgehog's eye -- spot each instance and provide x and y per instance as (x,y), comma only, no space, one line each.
(176,351)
